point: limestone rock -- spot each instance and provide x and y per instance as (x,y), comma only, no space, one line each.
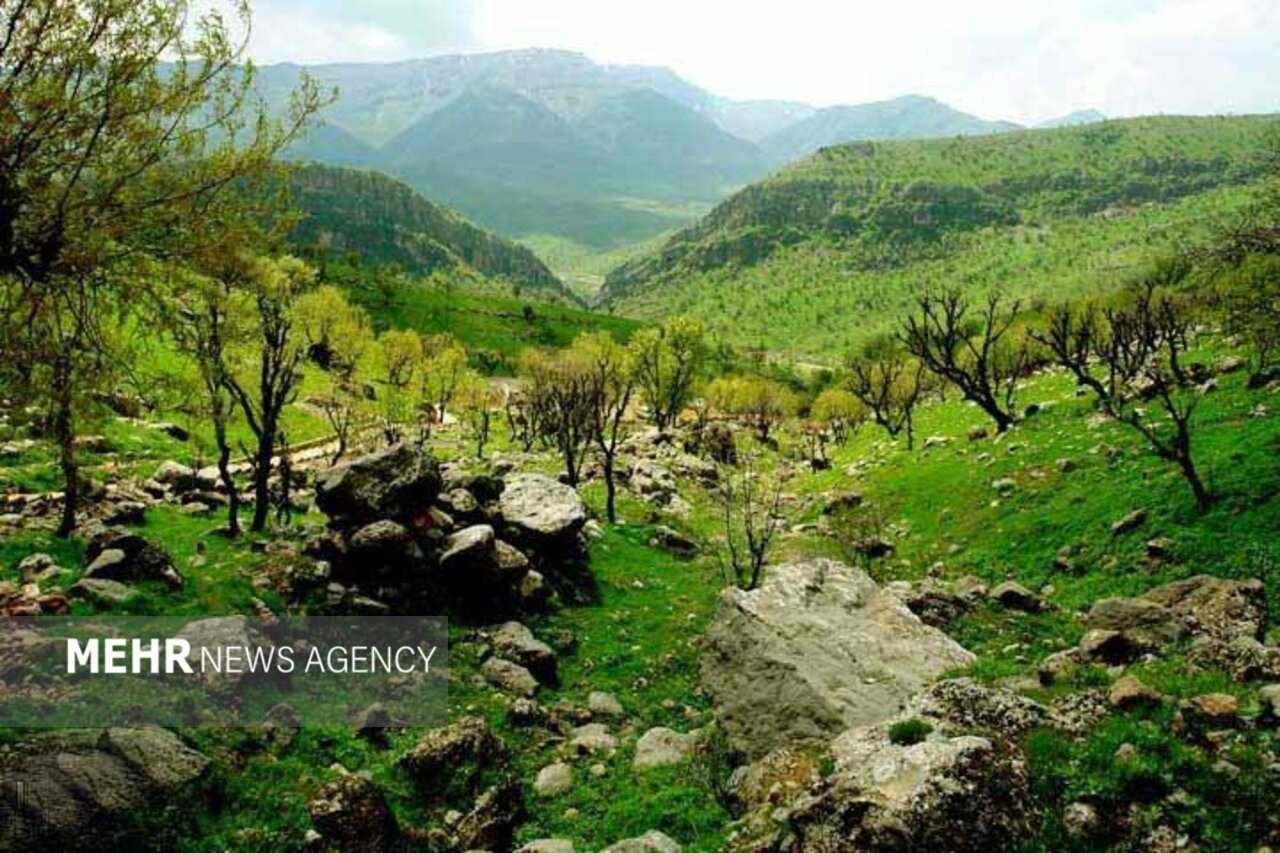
(663,747)
(467,745)
(351,813)
(554,779)
(508,676)
(515,642)
(818,648)
(541,509)
(652,841)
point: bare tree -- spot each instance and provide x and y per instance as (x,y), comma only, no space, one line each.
(1135,345)
(559,387)
(970,350)
(749,503)
(611,385)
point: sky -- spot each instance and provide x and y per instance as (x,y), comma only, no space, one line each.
(1021,60)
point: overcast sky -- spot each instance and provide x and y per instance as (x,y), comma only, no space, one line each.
(1024,60)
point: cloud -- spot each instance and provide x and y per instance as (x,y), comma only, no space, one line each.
(998,58)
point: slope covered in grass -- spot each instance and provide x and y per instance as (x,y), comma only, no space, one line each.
(833,247)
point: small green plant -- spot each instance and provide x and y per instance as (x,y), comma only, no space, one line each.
(909,732)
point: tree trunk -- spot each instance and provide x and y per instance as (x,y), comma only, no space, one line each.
(262,477)
(1202,495)
(610,490)
(224,474)
(65,433)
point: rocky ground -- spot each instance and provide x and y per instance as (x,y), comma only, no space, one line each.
(1026,641)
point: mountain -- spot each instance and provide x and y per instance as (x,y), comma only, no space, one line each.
(755,121)
(831,248)
(909,117)
(383,221)
(1074,119)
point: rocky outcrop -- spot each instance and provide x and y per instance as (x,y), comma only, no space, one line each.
(78,789)
(817,649)
(961,793)
(351,813)
(399,484)
(129,558)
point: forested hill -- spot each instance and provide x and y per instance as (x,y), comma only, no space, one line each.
(846,226)
(385,222)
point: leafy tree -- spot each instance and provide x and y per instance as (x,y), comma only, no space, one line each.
(560,389)
(266,373)
(611,386)
(760,402)
(1249,294)
(396,369)
(667,362)
(840,413)
(889,383)
(1127,351)
(442,373)
(121,122)
(974,352)
(338,336)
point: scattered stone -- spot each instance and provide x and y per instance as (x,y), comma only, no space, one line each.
(977,433)
(1269,701)
(103,593)
(465,746)
(652,841)
(128,557)
(817,648)
(591,738)
(492,823)
(1015,596)
(671,540)
(1128,692)
(1066,466)
(663,747)
(514,641)
(176,476)
(1231,364)
(37,567)
(351,813)
(554,779)
(509,676)
(842,501)
(1160,548)
(604,704)
(126,513)
(1211,710)
(966,705)
(1081,820)
(547,845)
(1129,523)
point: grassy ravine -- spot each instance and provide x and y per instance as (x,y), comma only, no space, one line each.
(938,505)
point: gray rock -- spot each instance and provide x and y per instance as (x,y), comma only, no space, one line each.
(470,547)
(547,845)
(592,738)
(652,841)
(465,746)
(515,642)
(383,538)
(672,540)
(1129,523)
(103,593)
(164,760)
(663,747)
(553,780)
(215,635)
(818,648)
(37,567)
(127,557)
(510,560)
(604,704)
(399,483)
(1017,597)
(541,509)
(491,824)
(176,476)
(956,794)
(351,813)
(509,676)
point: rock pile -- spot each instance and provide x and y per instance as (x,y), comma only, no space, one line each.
(405,532)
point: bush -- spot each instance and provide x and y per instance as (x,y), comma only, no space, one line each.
(909,732)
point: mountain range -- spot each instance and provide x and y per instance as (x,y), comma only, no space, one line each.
(545,142)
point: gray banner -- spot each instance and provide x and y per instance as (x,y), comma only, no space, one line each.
(226,671)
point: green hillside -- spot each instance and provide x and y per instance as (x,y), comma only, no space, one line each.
(908,117)
(833,247)
(385,222)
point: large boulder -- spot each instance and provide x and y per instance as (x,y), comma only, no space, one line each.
(128,558)
(77,789)
(515,642)
(399,484)
(540,509)
(942,794)
(465,747)
(818,649)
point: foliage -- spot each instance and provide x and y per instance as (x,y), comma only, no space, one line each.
(667,363)
(750,503)
(909,732)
